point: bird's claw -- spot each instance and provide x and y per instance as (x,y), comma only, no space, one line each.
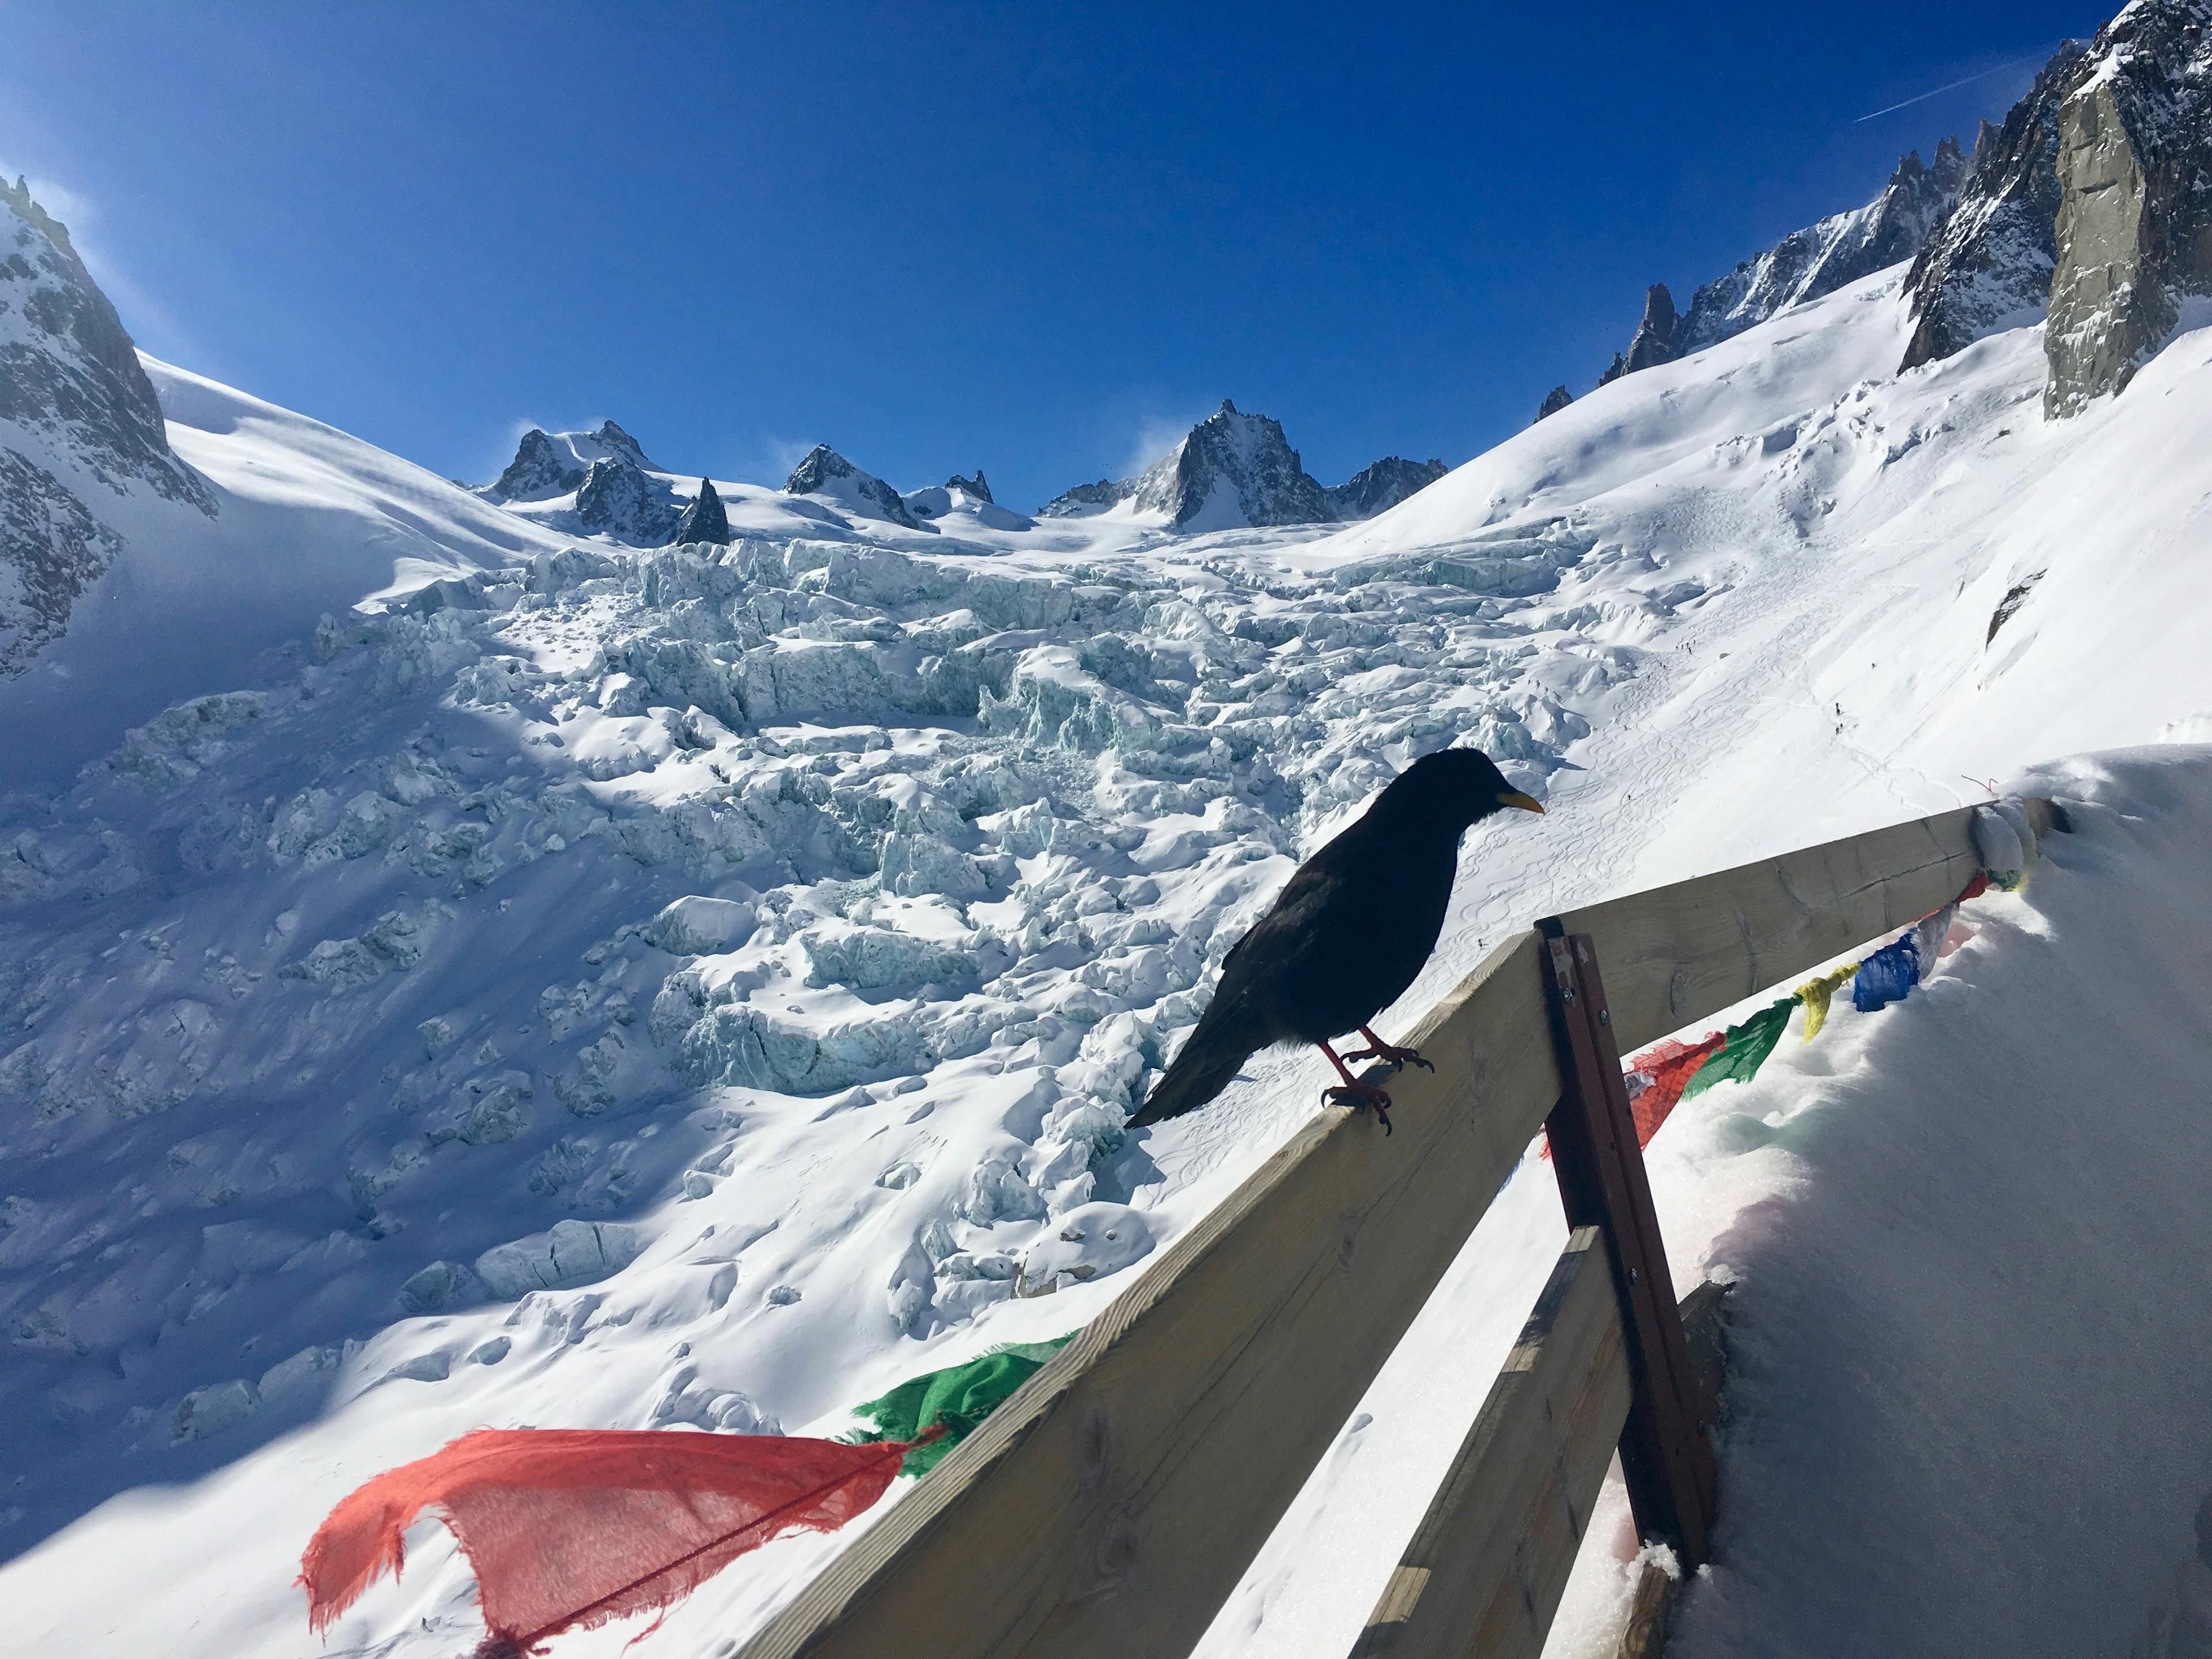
(1359,1096)
(1391,1055)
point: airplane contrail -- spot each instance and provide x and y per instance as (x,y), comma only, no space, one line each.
(1950,86)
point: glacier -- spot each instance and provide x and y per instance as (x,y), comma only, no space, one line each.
(486,973)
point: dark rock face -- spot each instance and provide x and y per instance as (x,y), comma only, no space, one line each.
(617,498)
(1836,251)
(1987,265)
(975,486)
(1555,400)
(2134,230)
(825,472)
(539,470)
(78,419)
(547,464)
(1653,342)
(704,520)
(1378,488)
(1232,470)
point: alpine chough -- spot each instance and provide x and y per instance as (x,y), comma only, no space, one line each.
(1346,937)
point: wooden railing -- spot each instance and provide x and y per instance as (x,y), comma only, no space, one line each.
(1111,1506)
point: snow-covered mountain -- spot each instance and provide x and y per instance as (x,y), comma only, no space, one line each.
(548,464)
(826,473)
(80,428)
(2092,203)
(702,986)
(1824,256)
(1238,469)
(1803,265)
(1378,488)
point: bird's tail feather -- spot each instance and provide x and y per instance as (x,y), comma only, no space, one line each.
(1202,1070)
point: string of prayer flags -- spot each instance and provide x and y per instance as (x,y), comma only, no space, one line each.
(1669,1073)
(568,1528)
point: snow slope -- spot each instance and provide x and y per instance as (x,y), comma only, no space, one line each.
(757,951)
(306,519)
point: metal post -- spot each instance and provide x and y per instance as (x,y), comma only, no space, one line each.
(1664,1453)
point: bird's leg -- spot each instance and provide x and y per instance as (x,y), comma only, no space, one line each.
(1355,1094)
(1388,1053)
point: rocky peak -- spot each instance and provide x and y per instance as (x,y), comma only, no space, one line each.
(79,422)
(617,498)
(540,468)
(1987,264)
(975,487)
(1654,340)
(2133,232)
(1555,400)
(1837,250)
(549,464)
(1381,487)
(619,443)
(704,520)
(1230,469)
(825,472)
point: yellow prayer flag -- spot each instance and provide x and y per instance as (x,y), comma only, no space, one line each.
(1815,995)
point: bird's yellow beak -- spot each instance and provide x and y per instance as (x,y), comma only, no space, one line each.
(1526,802)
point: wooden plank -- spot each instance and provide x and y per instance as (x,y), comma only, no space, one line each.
(1664,1454)
(1676,954)
(1485,1571)
(1111,1505)
(1649,1614)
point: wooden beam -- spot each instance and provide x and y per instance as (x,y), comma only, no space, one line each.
(1485,1571)
(1676,954)
(1664,1455)
(1111,1505)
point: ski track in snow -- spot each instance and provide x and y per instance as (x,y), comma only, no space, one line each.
(704,990)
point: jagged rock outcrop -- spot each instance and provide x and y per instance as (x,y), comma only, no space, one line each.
(2134,230)
(1555,400)
(1653,341)
(975,486)
(549,464)
(1836,251)
(704,520)
(1232,470)
(825,472)
(1381,487)
(1987,265)
(617,498)
(79,421)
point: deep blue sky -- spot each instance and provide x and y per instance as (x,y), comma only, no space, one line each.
(1035,239)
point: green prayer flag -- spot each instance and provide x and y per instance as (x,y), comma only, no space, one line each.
(1745,1048)
(959,1396)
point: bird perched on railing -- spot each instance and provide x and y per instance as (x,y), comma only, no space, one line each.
(1346,937)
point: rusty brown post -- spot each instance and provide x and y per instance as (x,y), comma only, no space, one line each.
(1664,1451)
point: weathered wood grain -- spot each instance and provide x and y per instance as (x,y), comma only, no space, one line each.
(1486,1569)
(1110,1506)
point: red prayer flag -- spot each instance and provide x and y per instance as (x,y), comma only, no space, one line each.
(569,1528)
(1666,1071)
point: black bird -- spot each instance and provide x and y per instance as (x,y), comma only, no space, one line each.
(1345,939)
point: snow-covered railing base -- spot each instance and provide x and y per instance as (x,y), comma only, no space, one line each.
(1112,1505)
